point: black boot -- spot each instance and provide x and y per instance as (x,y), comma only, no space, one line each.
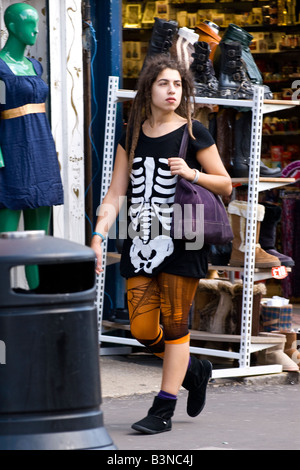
(162,37)
(206,83)
(233,80)
(235,33)
(158,418)
(267,236)
(242,146)
(195,381)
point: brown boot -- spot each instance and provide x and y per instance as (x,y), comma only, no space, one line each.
(291,346)
(276,355)
(237,211)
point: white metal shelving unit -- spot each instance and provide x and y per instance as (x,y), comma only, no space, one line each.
(259,107)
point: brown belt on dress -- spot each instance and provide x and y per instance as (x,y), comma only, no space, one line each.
(32,108)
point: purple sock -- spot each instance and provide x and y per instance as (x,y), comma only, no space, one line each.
(166,396)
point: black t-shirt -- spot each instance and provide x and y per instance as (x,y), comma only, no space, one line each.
(149,247)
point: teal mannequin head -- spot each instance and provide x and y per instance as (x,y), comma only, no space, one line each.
(21,21)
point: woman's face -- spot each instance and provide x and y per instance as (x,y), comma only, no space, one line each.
(167,91)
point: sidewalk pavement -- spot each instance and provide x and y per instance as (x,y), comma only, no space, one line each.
(252,413)
(248,413)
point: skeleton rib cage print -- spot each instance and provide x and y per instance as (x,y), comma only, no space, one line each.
(153,192)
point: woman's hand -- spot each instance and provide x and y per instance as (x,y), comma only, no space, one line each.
(96,246)
(178,166)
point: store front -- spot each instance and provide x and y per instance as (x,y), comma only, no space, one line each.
(82,43)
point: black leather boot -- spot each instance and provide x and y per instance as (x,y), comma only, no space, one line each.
(267,236)
(235,33)
(195,381)
(225,135)
(206,83)
(233,80)
(242,146)
(158,418)
(162,37)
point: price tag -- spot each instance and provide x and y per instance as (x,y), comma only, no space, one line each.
(279,272)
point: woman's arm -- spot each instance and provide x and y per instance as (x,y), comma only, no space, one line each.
(109,209)
(215,178)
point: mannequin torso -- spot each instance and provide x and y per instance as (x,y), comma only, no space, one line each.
(30,179)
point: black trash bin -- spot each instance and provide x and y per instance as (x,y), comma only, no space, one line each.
(50,392)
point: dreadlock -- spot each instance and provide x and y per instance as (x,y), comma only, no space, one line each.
(141,105)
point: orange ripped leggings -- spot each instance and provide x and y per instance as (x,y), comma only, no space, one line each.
(159,309)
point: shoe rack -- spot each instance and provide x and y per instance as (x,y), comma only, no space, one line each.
(248,344)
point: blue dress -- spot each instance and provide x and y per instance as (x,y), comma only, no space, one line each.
(31,175)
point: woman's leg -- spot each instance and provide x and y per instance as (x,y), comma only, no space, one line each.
(36,219)
(172,303)
(143,298)
(177,294)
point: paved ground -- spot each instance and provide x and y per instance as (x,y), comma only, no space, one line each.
(259,413)
(254,413)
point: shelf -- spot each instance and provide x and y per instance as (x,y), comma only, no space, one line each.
(265,184)
(247,346)
(259,273)
(113,258)
(202,335)
(268,107)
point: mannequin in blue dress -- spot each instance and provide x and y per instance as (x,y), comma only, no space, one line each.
(30,179)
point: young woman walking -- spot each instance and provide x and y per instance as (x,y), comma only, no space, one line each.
(162,274)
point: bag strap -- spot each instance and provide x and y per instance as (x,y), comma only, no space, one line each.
(184,143)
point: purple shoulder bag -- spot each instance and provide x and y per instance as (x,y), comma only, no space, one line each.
(189,198)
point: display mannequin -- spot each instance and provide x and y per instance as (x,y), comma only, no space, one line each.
(30,180)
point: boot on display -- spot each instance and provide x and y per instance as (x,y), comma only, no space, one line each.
(209,32)
(267,238)
(242,148)
(184,46)
(235,33)
(237,211)
(233,80)
(162,37)
(275,354)
(206,84)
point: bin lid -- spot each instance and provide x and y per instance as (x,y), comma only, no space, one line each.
(29,247)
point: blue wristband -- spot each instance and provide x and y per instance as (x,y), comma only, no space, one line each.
(100,235)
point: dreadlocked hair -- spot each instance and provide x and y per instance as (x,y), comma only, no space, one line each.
(141,105)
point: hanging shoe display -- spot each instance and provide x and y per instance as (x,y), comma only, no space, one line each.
(206,83)
(242,148)
(184,46)
(209,32)
(235,33)
(162,37)
(267,238)
(233,80)
(237,211)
